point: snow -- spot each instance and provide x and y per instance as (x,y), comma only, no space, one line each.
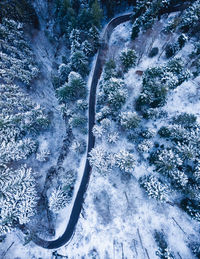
(117,213)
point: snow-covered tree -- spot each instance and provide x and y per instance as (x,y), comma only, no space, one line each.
(101,160)
(167,160)
(97,13)
(112,137)
(78,146)
(129,120)
(58,200)
(62,195)
(82,105)
(74,89)
(79,62)
(164,252)
(155,188)
(110,70)
(93,37)
(103,113)
(87,48)
(117,98)
(128,59)
(77,121)
(145,145)
(98,131)
(190,17)
(125,160)
(63,72)
(178,178)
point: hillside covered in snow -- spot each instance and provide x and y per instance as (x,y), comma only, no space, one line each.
(100,118)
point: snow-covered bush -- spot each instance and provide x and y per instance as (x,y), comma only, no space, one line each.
(128,59)
(145,145)
(155,188)
(129,120)
(125,161)
(154,51)
(78,146)
(43,155)
(113,137)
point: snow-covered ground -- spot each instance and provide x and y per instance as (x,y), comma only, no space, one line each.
(118,219)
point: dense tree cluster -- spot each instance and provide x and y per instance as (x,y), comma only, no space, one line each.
(179,160)
(16,58)
(145,14)
(158,81)
(189,21)
(21,11)
(18,197)
(20,121)
(112,96)
(104,161)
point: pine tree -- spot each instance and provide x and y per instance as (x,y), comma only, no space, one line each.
(74,89)
(58,200)
(125,161)
(97,13)
(129,120)
(154,187)
(101,160)
(128,59)
(79,63)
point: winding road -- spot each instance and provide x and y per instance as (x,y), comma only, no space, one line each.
(76,210)
(77,207)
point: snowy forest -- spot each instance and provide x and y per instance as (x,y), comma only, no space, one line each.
(99,129)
